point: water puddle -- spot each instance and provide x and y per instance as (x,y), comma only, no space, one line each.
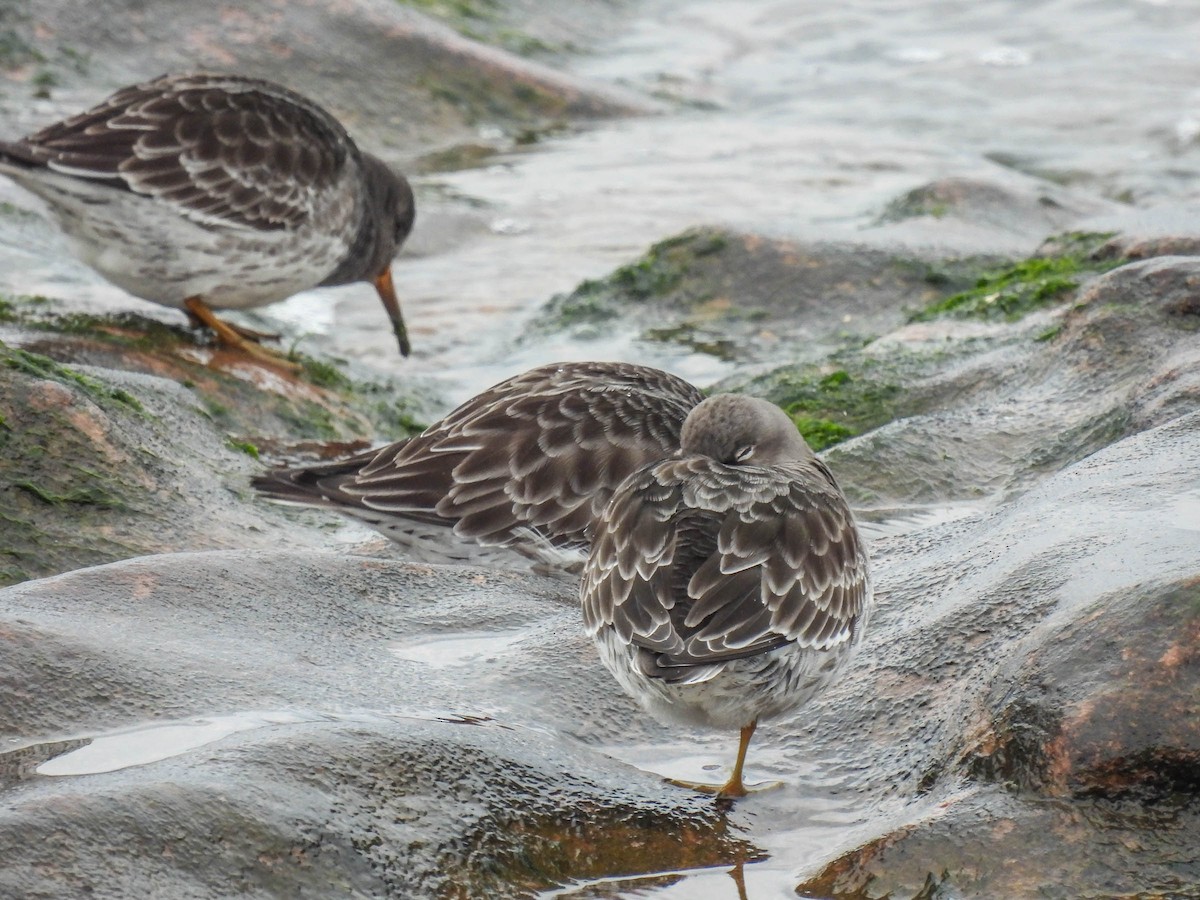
(715,883)
(145,744)
(796,814)
(149,744)
(706,762)
(460,649)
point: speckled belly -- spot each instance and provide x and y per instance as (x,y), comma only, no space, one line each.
(735,693)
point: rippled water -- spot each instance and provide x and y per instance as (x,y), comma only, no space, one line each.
(785,118)
(782,117)
(797,119)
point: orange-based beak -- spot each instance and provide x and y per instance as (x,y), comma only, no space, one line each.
(387,293)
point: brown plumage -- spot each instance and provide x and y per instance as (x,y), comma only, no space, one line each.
(729,584)
(528,463)
(206,190)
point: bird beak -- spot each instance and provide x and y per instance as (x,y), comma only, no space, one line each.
(387,293)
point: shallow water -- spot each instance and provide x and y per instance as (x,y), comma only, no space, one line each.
(790,119)
(152,743)
(798,120)
(815,116)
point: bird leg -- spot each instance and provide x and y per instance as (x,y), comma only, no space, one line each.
(734,787)
(234,337)
(251,334)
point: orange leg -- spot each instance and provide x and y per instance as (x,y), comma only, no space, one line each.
(233,337)
(734,787)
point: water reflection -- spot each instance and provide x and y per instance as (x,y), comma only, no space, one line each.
(679,873)
(711,883)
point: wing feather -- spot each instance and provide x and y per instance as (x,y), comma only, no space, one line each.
(246,151)
(759,558)
(542,450)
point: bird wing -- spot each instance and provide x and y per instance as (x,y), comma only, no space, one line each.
(543,451)
(237,150)
(702,563)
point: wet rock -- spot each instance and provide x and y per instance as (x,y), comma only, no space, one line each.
(1165,229)
(1040,662)
(102,463)
(995,845)
(403,81)
(1029,206)
(1104,706)
(337,754)
(747,298)
(1006,403)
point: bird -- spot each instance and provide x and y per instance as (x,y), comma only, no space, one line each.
(729,583)
(524,468)
(203,191)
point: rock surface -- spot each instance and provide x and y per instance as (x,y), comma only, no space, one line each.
(332,756)
(1027,690)
(271,703)
(435,91)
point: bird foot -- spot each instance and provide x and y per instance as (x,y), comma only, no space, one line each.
(253,334)
(730,790)
(239,339)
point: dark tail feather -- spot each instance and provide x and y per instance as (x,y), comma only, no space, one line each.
(316,485)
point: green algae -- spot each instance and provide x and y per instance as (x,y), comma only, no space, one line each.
(82,469)
(1011,291)
(345,407)
(63,492)
(484,21)
(19,307)
(242,446)
(15,51)
(832,407)
(86,495)
(322,373)
(478,99)
(44,367)
(660,272)
(456,158)
(845,395)
(821,433)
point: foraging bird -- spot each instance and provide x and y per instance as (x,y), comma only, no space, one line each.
(206,191)
(728,584)
(528,464)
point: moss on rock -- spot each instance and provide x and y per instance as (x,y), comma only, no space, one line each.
(1011,291)
(829,407)
(97,464)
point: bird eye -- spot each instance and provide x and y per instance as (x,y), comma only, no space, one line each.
(741,454)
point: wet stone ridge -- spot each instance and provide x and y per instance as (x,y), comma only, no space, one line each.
(203,694)
(1043,662)
(336,764)
(372,727)
(404,84)
(123,441)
